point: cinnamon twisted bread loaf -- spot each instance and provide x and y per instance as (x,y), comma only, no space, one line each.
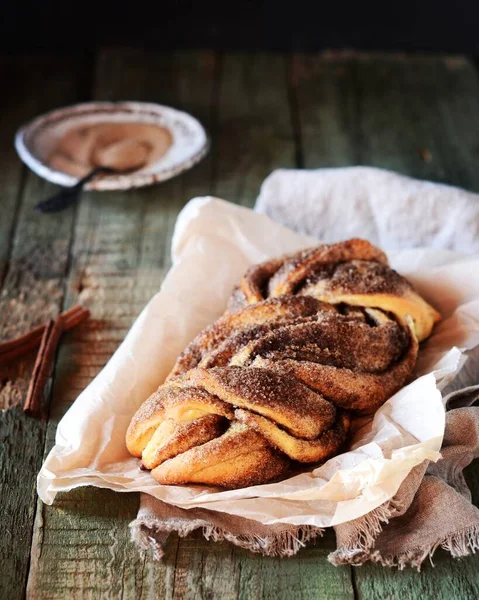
(306,339)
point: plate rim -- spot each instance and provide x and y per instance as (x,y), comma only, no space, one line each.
(119,182)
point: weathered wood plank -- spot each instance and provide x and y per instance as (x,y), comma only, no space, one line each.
(219,570)
(307,575)
(384,110)
(34,252)
(412,114)
(119,258)
(447,579)
(11,168)
(255,133)
(24,77)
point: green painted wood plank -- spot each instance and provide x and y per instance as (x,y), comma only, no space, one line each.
(36,254)
(381,110)
(255,133)
(119,258)
(386,110)
(307,575)
(25,77)
(448,579)
(219,570)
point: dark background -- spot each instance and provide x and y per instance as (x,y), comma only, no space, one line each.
(242,25)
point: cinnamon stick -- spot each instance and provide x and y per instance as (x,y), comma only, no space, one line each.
(30,340)
(47,337)
(43,365)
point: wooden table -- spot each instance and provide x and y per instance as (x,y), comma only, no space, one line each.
(418,115)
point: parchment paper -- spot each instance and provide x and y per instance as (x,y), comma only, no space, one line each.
(213,244)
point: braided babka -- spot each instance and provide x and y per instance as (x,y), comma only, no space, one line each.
(307,341)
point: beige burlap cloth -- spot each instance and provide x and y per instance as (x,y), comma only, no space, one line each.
(433,507)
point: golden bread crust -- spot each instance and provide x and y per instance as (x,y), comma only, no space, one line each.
(286,400)
(305,451)
(241,457)
(307,340)
(173,437)
(171,402)
(353,272)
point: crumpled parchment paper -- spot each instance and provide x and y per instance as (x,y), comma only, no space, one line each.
(214,243)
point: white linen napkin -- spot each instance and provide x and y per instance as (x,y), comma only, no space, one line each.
(390,210)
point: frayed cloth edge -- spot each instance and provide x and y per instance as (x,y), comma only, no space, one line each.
(459,544)
(369,527)
(151,535)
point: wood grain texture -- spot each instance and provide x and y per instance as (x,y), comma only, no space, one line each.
(36,254)
(193,566)
(381,110)
(119,257)
(219,570)
(447,579)
(255,133)
(411,114)
(11,172)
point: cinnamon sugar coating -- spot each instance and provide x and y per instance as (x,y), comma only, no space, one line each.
(239,458)
(297,267)
(306,340)
(173,437)
(271,311)
(305,451)
(284,399)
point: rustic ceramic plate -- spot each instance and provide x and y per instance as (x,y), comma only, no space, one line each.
(35,141)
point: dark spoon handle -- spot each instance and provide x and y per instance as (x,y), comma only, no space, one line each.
(68,195)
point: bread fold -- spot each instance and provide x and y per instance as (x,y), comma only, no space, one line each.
(307,342)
